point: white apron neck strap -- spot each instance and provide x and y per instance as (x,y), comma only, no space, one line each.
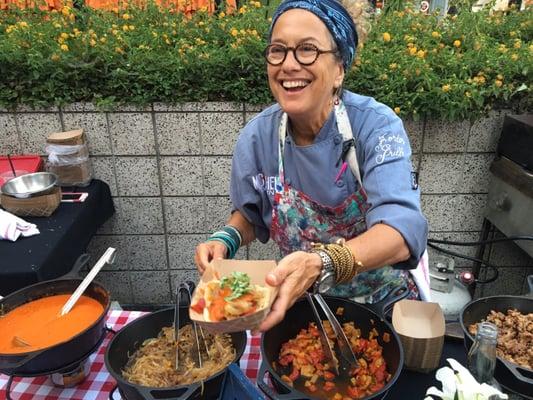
(345,129)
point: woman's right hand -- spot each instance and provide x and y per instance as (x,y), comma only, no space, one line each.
(207,252)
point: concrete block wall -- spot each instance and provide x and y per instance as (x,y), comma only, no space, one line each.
(168,170)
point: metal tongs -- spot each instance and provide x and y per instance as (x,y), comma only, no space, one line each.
(184,298)
(347,360)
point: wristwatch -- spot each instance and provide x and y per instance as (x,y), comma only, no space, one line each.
(327,277)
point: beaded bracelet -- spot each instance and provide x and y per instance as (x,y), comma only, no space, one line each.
(230,237)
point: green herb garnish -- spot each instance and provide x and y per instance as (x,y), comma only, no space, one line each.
(238,282)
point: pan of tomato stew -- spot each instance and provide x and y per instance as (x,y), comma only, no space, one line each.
(292,356)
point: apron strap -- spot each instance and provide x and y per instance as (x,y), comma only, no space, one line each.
(343,123)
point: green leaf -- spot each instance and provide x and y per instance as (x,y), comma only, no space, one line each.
(238,282)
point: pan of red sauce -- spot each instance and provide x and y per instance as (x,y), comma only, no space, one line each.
(35,340)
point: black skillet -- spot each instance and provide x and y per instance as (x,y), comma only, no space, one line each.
(511,376)
(40,362)
(366,317)
(130,338)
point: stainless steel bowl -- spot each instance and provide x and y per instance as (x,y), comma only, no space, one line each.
(30,185)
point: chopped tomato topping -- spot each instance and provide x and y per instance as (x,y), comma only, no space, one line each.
(199,307)
(329,376)
(328,386)
(294,374)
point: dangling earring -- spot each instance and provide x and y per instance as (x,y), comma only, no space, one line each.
(337,96)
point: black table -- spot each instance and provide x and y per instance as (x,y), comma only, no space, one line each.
(64,236)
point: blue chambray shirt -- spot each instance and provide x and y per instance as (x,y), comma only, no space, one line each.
(383,153)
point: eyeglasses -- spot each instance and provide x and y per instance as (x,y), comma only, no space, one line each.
(305,53)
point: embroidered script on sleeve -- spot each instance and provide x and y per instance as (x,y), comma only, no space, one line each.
(389,146)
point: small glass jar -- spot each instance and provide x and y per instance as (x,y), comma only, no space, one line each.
(482,354)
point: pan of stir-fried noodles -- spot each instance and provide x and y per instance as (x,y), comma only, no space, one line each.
(141,358)
(293,357)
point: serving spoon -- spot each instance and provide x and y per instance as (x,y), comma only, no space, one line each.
(109,258)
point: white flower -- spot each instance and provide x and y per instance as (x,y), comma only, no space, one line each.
(458,381)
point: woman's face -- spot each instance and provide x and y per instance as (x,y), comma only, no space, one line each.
(304,91)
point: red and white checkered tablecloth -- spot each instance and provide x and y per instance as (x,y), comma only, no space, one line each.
(99,382)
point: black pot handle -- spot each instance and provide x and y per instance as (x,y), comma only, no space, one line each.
(383,306)
(270,393)
(516,371)
(147,393)
(80,262)
(530,284)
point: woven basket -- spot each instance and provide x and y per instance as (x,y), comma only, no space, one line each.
(38,206)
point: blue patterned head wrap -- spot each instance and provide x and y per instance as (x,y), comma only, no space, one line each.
(334,15)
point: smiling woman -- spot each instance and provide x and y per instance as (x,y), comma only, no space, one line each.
(343,209)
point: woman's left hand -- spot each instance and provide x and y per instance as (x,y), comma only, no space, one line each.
(294,274)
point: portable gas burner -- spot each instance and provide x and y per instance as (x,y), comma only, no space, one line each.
(72,377)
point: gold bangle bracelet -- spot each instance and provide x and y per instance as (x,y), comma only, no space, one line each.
(343,260)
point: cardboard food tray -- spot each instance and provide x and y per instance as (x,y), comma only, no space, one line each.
(257,270)
(420,326)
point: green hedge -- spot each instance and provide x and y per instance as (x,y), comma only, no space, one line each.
(451,68)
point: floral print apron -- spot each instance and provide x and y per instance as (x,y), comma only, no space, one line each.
(298,220)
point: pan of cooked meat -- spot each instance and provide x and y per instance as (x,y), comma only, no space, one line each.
(293,356)
(513,315)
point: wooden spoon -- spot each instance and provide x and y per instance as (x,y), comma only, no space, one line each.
(18,341)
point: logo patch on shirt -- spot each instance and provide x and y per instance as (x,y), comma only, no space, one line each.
(390,146)
(267,184)
(414,180)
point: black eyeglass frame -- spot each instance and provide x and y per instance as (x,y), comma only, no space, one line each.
(293,49)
